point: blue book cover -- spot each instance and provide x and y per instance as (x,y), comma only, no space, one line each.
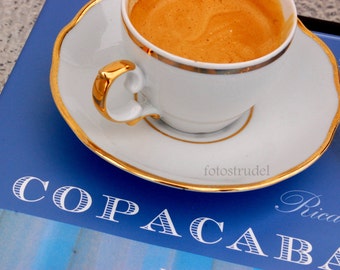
(65,207)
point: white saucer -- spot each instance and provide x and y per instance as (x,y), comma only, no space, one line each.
(285,134)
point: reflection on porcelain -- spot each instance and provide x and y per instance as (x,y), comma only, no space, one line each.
(285,133)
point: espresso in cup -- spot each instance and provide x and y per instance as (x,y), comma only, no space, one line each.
(213,31)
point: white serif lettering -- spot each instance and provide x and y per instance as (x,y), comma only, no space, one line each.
(196,229)
(111,208)
(333,260)
(61,194)
(21,184)
(250,241)
(300,252)
(164,221)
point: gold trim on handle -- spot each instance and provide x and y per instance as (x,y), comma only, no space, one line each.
(105,78)
(101,86)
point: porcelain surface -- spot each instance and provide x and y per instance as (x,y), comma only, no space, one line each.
(283,134)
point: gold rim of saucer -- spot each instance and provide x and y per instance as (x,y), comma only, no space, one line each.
(165,181)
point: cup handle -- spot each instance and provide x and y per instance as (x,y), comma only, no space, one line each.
(133,111)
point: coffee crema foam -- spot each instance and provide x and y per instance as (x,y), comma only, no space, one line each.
(214,31)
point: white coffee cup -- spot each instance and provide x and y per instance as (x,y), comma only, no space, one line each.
(190,96)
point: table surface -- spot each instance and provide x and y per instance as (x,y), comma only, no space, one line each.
(16,24)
